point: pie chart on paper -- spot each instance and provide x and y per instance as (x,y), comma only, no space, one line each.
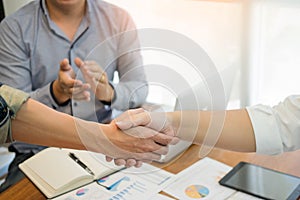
(196,191)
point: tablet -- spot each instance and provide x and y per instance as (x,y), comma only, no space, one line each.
(262,182)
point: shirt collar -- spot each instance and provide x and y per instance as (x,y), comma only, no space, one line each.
(44,7)
(83,26)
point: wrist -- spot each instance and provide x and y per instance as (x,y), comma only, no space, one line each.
(104,137)
(110,95)
(58,94)
(174,120)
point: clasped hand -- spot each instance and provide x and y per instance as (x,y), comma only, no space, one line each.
(141,122)
(131,146)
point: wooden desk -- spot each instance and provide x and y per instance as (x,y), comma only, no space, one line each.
(287,162)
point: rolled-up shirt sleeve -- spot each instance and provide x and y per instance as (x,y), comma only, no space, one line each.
(276,129)
(13,100)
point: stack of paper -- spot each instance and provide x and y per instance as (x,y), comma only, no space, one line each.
(129,184)
(201,180)
(6,158)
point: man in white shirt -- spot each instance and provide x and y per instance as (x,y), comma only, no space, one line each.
(276,129)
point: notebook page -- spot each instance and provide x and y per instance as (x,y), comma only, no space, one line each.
(96,162)
(56,168)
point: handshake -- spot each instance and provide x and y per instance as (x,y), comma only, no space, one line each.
(136,136)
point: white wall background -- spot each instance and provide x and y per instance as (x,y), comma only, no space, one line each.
(261,37)
(11,6)
(273,62)
(215,26)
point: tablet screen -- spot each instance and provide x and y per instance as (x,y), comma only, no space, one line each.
(262,182)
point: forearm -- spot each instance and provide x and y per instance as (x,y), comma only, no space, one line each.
(236,133)
(38,124)
(43,95)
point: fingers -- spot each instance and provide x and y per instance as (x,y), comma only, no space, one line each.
(97,78)
(70,86)
(79,63)
(139,117)
(141,139)
(120,162)
(125,155)
(146,157)
(138,147)
(93,66)
(76,92)
(81,93)
(131,118)
(138,164)
(127,163)
(133,162)
(146,139)
(108,159)
(91,71)
(164,139)
(130,162)
(163,150)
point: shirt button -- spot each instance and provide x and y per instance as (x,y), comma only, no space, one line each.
(75,104)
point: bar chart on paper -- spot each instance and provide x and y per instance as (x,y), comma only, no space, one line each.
(128,184)
(136,183)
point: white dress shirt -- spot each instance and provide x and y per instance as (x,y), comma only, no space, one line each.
(277,129)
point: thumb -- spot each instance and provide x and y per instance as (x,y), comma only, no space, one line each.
(64,65)
(129,119)
(124,125)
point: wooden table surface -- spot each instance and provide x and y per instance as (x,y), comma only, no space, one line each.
(286,162)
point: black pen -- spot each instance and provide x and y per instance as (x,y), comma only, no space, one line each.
(73,157)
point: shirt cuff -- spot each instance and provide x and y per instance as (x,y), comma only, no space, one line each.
(54,98)
(108,103)
(266,131)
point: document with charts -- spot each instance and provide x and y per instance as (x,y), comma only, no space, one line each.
(129,184)
(201,180)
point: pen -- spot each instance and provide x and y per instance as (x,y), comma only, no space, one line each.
(73,157)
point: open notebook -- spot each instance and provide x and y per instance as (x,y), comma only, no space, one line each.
(55,172)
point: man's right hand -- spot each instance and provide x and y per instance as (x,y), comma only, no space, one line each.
(66,86)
